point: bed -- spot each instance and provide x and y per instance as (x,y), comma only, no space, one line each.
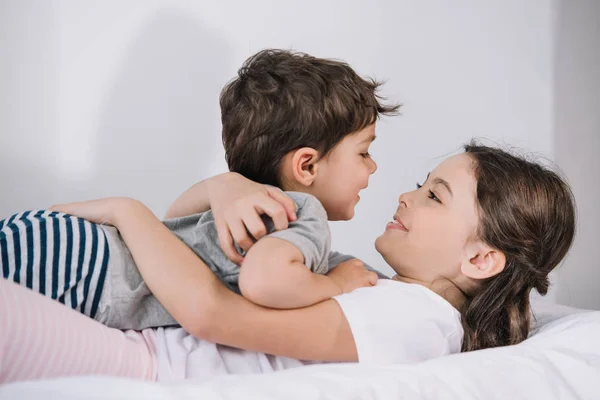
(560,360)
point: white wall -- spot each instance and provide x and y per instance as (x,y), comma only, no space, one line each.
(577,118)
(120,97)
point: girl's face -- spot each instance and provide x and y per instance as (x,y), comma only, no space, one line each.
(434,225)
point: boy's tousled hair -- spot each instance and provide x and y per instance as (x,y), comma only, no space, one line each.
(283,100)
(527,212)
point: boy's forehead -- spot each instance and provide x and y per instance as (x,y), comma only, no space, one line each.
(366,134)
(359,138)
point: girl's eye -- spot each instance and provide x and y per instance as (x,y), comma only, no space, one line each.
(433,197)
(365,155)
(430,194)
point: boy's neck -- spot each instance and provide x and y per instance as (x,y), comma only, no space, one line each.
(291,185)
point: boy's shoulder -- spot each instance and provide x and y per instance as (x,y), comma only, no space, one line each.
(301,197)
(307,205)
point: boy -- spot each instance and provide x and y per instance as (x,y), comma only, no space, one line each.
(303,124)
(290,120)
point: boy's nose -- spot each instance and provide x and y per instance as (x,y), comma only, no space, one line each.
(373,166)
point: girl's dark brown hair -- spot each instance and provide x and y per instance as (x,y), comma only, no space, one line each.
(283,100)
(527,212)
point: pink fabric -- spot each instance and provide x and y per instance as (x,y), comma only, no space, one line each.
(41,338)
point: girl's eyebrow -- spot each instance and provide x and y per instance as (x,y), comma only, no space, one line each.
(440,181)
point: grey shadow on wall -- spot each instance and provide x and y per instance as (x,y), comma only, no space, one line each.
(160,124)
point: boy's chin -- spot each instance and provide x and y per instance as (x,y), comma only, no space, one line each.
(345,215)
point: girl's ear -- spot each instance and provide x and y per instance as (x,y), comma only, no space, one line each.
(482,261)
(304,165)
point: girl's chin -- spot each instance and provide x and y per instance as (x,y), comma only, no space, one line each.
(384,249)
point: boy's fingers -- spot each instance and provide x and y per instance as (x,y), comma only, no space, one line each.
(226,242)
(373,278)
(287,203)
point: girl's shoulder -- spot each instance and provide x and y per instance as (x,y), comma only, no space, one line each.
(398,322)
(415,292)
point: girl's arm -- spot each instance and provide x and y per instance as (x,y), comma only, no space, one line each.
(237,203)
(204,307)
(192,201)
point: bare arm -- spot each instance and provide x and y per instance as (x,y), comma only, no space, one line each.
(274,275)
(237,204)
(193,201)
(319,333)
(204,307)
(178,278)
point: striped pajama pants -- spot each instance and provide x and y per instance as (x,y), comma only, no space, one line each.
(57,255)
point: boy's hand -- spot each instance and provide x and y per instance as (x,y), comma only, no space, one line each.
(351,275)
(102,211)
(237,204)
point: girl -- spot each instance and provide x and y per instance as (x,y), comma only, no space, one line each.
(467,246)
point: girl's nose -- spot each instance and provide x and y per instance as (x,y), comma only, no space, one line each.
(403,200)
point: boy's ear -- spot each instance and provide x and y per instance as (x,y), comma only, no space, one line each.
(482,261)
(305,165)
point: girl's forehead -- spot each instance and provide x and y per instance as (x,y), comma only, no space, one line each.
(456,169)
(459,172)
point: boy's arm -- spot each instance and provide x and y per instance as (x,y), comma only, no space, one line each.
(273,275)
(286,269)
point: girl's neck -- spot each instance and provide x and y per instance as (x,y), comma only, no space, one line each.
(443,287)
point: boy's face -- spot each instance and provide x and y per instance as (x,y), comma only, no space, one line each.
(343,173)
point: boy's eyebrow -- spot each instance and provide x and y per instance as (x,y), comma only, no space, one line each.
(440,181)
(369,139)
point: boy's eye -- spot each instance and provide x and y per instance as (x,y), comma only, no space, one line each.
(365,155)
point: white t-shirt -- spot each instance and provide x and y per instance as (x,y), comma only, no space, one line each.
(392,323)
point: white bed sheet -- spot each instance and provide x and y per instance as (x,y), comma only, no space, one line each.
(561,360)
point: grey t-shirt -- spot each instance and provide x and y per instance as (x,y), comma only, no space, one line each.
(309,233)
(126,301)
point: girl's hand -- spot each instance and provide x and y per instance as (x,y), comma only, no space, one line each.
(102,211)
(237,204)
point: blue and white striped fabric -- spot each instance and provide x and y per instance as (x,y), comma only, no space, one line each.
(57,255)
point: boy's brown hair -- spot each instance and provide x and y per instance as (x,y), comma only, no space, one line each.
(283,100)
